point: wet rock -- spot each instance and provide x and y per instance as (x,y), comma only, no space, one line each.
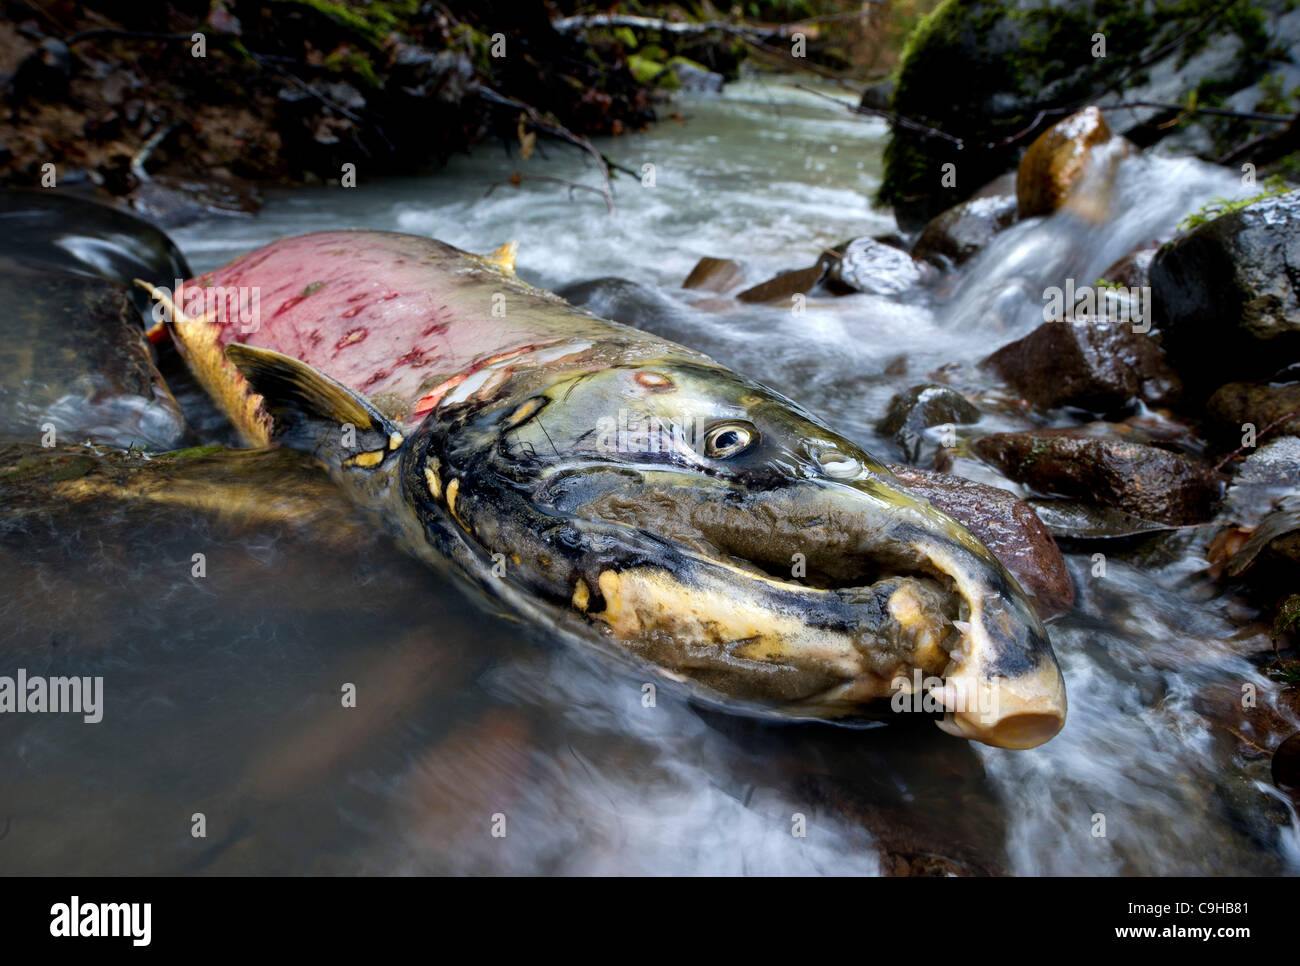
(1073,159)
(1133,271)
(912,412)
(1073,520)
(1148,482)
(1277,539)
(1266,474)
(1008,527)
(1095,363)
(247,489)
(73,234)
(965,229)
(714,275)
(1286,763)
(75,363)
(1227,293)
(175,202)
(1259,728)
(622,300)
(877,268)
(786,285)
(877,96)
(1261,405)
(695,78)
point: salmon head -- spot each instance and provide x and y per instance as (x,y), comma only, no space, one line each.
(700,523)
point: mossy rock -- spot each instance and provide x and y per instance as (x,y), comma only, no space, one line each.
(982,71)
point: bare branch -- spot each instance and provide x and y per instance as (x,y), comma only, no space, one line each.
(518,177)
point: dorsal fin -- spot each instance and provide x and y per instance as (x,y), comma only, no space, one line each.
(503,257)
(312,410)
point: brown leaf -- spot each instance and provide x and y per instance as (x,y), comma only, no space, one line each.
(527,140)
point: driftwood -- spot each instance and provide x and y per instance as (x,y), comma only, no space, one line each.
(742,30)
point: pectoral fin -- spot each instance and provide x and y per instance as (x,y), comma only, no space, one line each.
(314,412)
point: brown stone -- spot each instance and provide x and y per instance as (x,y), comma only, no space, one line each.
(1008,527)
(715,275)
(780,289)
(1094,363)
(1146,481)
(1259,404)
(1060,162)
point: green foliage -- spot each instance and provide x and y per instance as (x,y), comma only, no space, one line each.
(372,19)
(1273,186)
(1288,617)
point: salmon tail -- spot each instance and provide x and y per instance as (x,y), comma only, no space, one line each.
(197,340)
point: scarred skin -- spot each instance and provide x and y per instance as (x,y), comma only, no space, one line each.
(486,417)
(359,307)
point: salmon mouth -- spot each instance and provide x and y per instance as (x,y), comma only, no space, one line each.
(820,601)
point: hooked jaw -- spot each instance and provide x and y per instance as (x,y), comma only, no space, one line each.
(1002,685)
(893,588)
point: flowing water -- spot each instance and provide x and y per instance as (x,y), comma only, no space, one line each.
(222,692)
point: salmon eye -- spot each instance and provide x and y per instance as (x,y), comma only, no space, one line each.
(724,440)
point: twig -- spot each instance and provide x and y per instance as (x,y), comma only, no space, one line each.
(558,131)
(1276,140)
(1260,435)
(517,177)
(141,157)
(1196,109)
(912,124)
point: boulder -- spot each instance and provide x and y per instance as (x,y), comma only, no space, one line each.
(1133,271)
(76,363)
(1259,404)
(622,300)
(786,285)
(1094,363)
(714,275)
(876,267)
(1007,526)
(965,229)
(1072,161)
(1148,482)
(912,412)
(1227,293)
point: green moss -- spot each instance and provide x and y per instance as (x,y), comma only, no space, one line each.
(1288,617)
(373,20)
(1273,186)
(354,62)
(190,453)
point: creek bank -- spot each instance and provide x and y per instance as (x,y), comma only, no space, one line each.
(187,108)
